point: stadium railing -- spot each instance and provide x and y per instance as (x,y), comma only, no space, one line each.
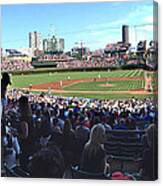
(15,171)
(125,149)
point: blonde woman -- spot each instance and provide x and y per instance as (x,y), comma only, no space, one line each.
(94,156)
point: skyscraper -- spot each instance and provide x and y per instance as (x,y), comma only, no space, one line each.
(50,44)
(31,40)
(125,34)
(45,44)
(61,44)
(35,40)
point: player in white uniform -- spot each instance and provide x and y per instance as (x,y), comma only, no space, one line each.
(148,83)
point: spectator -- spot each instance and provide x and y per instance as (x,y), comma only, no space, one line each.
(150,162)
(5,81)
(94,151)
(67,143)
(25,131)
(82,132)
(121,125)
(43,120)
(47,163)
(106,125)
(82,136)
(10,147)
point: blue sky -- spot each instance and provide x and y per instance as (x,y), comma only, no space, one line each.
(96,24)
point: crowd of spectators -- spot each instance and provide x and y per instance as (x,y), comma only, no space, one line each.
(96,62)
(116,54)
(101,61)
(20,65)
(47,57)
(45,135)
(15,65)
(90,61)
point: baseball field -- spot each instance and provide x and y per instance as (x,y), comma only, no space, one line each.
(117,84)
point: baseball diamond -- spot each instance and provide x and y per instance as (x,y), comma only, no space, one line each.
(96,84)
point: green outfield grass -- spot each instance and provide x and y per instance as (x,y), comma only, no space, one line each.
(21,81)
(100,86)
(25,80)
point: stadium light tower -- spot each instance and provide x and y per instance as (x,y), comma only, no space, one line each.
(51,30)
(136,27)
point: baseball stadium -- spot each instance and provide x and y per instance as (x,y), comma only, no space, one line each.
(82,113)
(119,99)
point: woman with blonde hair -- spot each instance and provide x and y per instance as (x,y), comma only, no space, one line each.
(94,155)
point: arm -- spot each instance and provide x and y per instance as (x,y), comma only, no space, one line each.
(16,145)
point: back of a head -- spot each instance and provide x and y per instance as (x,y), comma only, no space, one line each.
(47,163)
(122,121)
(67,127)
(97,135)
(23,101)
(23,104)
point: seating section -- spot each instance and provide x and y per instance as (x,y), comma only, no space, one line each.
(125,149)
(62,126)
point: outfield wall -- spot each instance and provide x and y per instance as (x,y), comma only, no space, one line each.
(46,70)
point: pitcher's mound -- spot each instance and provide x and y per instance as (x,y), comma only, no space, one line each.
(107,85)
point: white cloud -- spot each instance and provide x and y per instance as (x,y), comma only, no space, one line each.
(139,15)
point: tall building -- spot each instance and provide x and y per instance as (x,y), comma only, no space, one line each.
(53,43)
(125,34)
(50,44)
(31,40)
(61,44)
(45,44)
(35,40)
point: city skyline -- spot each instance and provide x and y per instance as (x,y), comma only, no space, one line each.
(96,24)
